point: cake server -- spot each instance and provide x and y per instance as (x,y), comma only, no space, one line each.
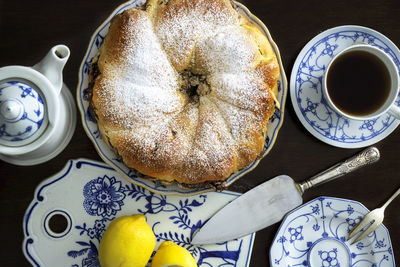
(268,203)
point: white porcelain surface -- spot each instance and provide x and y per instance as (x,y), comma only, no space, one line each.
(311,106)
(89,195)
(23,115)
(56,143)
(393,91)
(107,154)
(53,107)
(315,233)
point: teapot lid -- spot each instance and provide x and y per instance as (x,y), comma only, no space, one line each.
(23,116)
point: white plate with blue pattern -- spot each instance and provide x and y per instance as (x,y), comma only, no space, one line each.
(315,234)
(306,94)
(107,154)
(70,211)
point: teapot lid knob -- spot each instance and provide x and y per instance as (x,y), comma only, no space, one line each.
(12,110)
(23,116)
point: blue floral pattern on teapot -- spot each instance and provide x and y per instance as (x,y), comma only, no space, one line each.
(22,113)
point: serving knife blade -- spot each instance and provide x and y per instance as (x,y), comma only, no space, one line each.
(269,202)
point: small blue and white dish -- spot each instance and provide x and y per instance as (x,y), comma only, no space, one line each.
(315,235)
(309,103)
(107,154)
(70,211)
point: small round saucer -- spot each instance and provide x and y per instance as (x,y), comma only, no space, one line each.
(58,142)
(315,235)
(306,92)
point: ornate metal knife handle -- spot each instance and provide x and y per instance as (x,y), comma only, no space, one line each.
(365,157)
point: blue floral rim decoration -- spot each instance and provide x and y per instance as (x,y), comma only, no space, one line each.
(306,89)
(91,194)
(315,234)
(107,154)
(22,112)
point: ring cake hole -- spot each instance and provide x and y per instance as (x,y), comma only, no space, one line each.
(57,223)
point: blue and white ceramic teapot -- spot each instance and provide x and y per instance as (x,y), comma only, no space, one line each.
(37,113)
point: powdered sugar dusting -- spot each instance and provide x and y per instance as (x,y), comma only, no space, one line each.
(141,104)
(213,148)
(239,121)
(227,50)
(185,92)
(144,84)
(178,28)
(146,63)
(243,90)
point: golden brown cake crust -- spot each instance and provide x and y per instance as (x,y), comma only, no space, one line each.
(183,89)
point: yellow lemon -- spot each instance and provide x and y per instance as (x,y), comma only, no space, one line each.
(127,242)
(172,255)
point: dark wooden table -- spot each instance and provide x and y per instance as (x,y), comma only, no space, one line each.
(28,29)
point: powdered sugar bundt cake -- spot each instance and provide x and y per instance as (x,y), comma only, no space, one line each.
(183,89)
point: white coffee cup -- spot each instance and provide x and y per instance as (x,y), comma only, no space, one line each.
(388,106)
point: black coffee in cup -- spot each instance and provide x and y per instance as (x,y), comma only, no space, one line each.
(358,83)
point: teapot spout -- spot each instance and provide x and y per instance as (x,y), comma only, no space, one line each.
(52,64)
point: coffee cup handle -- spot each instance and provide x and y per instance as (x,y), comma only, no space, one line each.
(394,111)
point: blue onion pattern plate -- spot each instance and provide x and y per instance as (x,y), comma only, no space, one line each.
(306,93)
(87,195)
(106,153)
(315,235)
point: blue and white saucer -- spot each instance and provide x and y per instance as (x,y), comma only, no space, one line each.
(306,93)
(315,234)
(70,211)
